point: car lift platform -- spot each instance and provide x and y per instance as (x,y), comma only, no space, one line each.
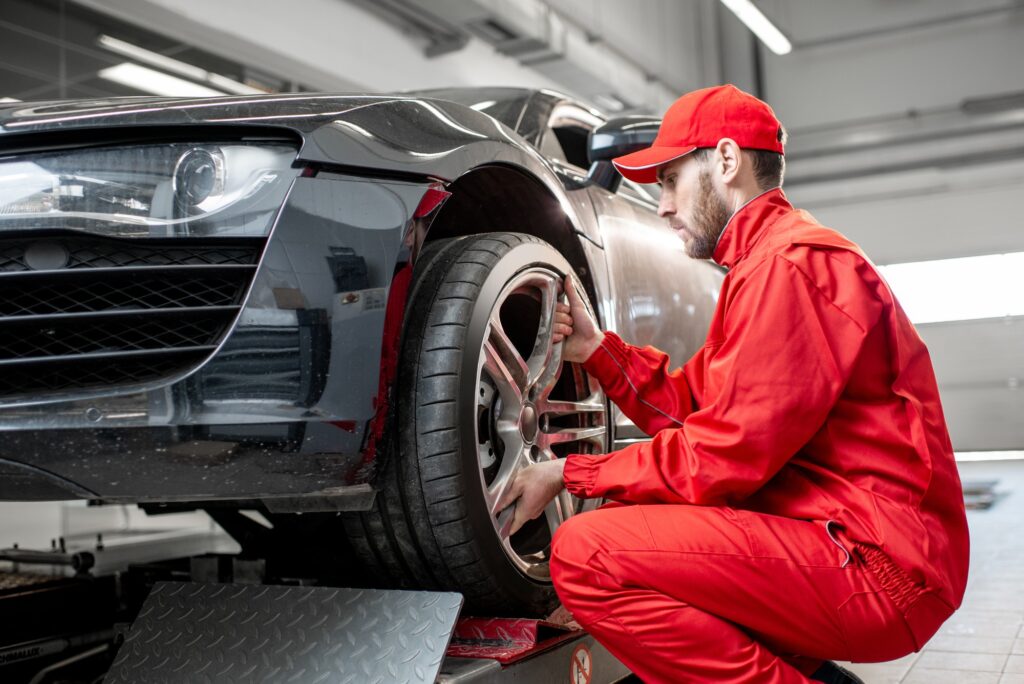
(178,606)
(204,632)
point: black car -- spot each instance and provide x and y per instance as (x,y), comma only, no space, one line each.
(332,309)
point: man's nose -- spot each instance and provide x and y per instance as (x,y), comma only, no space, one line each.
(666,207)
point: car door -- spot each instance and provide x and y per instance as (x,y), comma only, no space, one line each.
(659,296)
(656,294)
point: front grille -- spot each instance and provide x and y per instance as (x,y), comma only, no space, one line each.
(88,253)
(101,334)
(79,313)
(120,291)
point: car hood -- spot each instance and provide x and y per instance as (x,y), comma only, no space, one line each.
(416,134)
(299,112)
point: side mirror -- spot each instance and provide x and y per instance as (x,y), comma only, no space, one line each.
(615,138)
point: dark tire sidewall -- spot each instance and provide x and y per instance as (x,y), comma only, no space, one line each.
(518,259)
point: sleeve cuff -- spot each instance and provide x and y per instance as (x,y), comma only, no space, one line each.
(580,474)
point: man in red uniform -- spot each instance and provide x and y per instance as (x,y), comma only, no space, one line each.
(799,501)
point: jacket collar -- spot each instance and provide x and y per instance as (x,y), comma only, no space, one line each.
(748,224)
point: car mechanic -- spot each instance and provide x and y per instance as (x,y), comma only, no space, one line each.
(799,502)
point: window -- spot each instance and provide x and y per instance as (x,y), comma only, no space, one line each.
(568,134)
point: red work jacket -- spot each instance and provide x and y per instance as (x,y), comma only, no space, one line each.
(813,398)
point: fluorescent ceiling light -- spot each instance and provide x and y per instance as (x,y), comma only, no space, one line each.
(960,289)
(9,99)
(964,456)
(750,15)
(232,86)
(156,82)
(139,54)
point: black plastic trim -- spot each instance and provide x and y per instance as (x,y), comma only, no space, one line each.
(135,353)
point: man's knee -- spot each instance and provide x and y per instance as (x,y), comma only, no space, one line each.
(580,549)
(573,573)
(571,546)
(601,531)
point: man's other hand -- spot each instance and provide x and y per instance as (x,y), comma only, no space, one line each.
(576,326)
(532,490)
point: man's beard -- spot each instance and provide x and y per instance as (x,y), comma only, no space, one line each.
(707,220)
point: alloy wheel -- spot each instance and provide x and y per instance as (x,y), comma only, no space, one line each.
(532,407)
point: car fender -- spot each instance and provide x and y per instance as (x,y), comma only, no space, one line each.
(421,138)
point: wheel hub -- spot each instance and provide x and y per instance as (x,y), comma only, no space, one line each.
(528,423)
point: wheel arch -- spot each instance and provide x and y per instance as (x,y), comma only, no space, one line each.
(507,198)
(498,180)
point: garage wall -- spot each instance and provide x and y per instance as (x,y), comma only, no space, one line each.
(873,70)
(978,364)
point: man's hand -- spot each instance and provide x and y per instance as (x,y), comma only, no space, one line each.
(532,490)
(575,325)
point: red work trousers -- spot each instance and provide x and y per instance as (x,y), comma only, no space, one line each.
(708,594)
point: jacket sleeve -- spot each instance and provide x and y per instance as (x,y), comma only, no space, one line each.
(628,374)
(786,354)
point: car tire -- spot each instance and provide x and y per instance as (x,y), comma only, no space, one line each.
(481,392)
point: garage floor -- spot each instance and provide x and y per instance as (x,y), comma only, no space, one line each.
(983,643)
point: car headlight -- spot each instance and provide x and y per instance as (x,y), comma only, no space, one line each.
(149,190)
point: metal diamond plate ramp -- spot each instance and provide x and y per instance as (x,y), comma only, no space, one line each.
(206,633)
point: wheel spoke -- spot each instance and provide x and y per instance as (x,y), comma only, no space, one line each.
(559,510)
(544,454)
(505,365)
(513,461)
(571,434)
(592,404)
(545,362)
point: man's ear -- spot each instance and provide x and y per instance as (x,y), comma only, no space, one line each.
(728,159)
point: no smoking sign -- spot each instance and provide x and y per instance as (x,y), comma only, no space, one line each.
(581,669)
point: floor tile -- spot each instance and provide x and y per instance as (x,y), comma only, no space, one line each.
(922,675)
(878,673)
(993,601)
(965,643)
(1011,679)
(884,673)
(1015,664)
(984,623)
(970,662)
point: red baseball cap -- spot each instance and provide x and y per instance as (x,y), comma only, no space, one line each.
(701,119)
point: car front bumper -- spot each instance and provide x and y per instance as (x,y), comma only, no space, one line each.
(279,410)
